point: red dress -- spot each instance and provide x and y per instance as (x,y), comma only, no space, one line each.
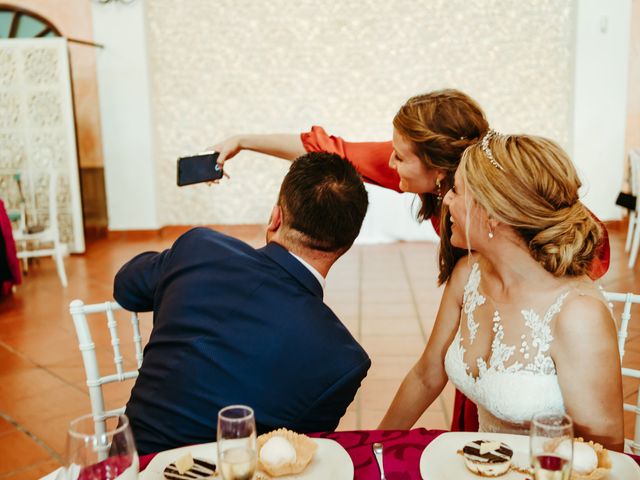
(372,161)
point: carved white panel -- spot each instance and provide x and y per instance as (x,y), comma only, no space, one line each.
(37,132)
(225,67)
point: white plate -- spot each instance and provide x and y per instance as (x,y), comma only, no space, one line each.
(440,460)
(330,461)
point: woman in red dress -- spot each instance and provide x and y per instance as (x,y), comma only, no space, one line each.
(430,132)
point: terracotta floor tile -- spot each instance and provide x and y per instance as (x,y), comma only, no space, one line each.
(37,470)
(11,362)
(6,426)
(377,394)
(348,422)
(19,451)
(370,419)
(54,403)
(392,367)
(388,310)
(393,344)
(53,432)
(26,383)
(391,326)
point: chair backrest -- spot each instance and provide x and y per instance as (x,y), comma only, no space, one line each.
(634,166)
(53,203)
(95,381)
(628,300)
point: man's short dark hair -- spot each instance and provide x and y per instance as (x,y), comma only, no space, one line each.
(323,201)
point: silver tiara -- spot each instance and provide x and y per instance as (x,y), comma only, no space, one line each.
(487,150)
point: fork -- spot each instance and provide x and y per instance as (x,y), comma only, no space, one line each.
(377,451)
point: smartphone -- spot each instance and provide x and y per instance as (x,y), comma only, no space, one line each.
(198,168)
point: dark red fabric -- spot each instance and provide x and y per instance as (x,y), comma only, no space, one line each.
(402,451)
(372,161)
(108,469)
(9,266)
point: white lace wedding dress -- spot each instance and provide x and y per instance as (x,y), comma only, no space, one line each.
(519,378)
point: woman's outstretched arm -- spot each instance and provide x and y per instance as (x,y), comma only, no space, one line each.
(281,145)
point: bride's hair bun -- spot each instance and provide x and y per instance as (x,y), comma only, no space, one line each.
(532,186)
(569,244)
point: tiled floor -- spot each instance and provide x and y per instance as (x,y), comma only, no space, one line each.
(385,294)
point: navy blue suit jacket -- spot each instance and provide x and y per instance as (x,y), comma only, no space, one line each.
(233,324)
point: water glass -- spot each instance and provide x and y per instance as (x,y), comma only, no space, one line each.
(101,450)
(551,443)
(237,442)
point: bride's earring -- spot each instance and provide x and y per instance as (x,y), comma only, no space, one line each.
(490,234)
(439,190)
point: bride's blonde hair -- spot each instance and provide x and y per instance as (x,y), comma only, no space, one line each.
(530,184)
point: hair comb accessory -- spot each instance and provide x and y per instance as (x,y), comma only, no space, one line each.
(487,150)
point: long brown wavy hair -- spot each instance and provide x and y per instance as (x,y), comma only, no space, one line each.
(441,125)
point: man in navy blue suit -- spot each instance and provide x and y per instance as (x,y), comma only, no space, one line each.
(238,325)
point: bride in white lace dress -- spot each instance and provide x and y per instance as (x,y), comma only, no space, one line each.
(521,328)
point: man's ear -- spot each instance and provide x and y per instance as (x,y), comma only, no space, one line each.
(275,221)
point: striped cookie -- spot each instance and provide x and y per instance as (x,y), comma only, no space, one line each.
(201,469)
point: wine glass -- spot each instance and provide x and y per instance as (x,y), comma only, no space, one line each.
(551,443)
(237,442)
(101,450)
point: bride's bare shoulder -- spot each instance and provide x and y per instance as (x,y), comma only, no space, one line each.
(586,312)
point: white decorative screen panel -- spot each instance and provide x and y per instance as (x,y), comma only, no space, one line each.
(37,132)
(225,67)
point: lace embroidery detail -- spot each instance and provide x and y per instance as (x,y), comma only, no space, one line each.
(541,337)
(509,386)
(500,353)
(471,299)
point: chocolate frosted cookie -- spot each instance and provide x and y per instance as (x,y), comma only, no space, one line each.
(487,458)
(187,468)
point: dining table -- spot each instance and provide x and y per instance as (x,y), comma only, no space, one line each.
(402,451)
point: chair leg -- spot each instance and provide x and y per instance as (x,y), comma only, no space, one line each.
(60,265)
(632,224)
(634,246)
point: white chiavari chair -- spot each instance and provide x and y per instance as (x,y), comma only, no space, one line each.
(48,234)
(633,233)
(87,345)
(627,300)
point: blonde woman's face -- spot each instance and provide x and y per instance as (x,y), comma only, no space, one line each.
(463,211)
(415,176)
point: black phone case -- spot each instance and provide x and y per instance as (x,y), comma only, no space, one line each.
(198,169)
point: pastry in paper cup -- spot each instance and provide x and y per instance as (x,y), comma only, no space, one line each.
(285,456)
(590,460)
(604,462)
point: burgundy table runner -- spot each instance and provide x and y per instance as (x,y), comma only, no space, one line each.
(402,451)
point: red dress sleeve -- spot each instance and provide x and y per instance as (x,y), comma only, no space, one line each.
(601,262)
(370,158)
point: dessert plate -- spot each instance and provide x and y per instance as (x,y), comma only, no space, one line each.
(330,461)
(440,459)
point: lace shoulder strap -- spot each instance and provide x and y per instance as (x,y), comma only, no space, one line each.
(471,300)
(541,337)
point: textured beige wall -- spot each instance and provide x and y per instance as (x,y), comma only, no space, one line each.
(633,102)
(229,66)
(73,19)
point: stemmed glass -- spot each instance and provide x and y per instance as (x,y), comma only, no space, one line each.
(101,450)
(551,443)
(237,442)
